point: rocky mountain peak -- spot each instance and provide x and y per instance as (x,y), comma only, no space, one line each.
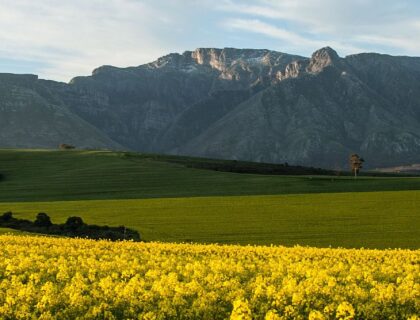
(326,53)
(322,58)
(319,60)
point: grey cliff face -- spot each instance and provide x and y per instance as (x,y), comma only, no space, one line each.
(257,105)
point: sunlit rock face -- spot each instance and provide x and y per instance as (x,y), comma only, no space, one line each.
(248,104)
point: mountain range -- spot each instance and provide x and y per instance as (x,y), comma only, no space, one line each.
(245,104)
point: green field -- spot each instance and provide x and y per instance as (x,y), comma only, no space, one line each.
(170,202)
(375,220)
(82,175)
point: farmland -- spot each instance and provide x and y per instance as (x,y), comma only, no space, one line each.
(166,201)
(49,278)
(343,219)
(172,203)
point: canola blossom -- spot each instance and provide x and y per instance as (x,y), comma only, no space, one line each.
(57,278)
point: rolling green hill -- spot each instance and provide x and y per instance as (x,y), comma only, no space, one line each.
(167,200)
(31,175)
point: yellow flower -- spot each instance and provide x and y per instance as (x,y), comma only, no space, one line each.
(241,310)
(272,315)
(316,315)
(345,311)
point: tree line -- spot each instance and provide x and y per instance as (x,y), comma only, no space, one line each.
(73,227)
(239,166)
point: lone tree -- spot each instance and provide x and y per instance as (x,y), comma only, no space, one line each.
(65,146)
(356,163)
(43,220)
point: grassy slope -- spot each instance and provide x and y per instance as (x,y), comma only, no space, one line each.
(81,175)
(375,220)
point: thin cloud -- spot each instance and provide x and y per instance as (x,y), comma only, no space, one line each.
(77,36)
(293,40)
(257,26)
(352,25)
(62,39)
(254,10)
(328,15)
(407,44)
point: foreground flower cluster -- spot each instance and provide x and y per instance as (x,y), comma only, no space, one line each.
(48,278)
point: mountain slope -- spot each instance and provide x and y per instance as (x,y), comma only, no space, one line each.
(32,116)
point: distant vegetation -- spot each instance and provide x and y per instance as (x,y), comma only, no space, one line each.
(73,227)
(238,166)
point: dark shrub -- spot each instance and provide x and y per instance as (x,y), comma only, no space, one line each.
(74,223)
(7,216)
(43,220)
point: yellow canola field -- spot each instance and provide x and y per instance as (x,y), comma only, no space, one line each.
(55,278)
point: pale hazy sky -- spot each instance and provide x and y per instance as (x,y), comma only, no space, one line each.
(59,39)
